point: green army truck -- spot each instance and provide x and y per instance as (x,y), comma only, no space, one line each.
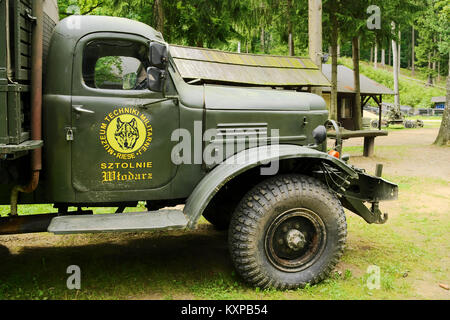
(101,112)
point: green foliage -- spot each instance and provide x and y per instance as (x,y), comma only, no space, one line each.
(412,93)
(108,69)
(261,26)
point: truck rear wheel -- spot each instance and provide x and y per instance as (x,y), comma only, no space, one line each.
(288,231)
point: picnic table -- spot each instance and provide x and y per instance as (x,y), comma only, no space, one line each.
(368,135)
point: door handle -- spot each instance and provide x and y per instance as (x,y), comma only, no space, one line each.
(80,109)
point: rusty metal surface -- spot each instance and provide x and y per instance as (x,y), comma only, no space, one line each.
(27,145)
(25,224)
(250,69)
(346,82)
(36,88)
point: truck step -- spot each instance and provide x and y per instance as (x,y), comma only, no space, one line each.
(121,222)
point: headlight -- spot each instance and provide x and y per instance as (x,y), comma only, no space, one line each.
(320,134)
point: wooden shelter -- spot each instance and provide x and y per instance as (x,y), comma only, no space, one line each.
(370,90)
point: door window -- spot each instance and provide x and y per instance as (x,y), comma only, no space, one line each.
(115,65)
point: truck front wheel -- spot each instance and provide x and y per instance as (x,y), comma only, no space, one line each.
(288,231)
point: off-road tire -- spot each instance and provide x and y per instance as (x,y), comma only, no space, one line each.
(270,202)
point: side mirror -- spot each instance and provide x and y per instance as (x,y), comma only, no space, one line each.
(158,55)
(156,79)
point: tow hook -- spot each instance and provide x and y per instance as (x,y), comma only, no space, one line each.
(382,218)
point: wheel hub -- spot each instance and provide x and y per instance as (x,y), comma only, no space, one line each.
(295,239)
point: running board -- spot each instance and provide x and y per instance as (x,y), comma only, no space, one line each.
(120,222)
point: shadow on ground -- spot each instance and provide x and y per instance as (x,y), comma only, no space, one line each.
(143,261)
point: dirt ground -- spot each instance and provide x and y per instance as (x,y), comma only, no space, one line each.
(208,246)
(423,160)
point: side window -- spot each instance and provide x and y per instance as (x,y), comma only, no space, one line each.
(115,65)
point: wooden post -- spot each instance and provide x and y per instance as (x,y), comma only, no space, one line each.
(334,66)
(315,31)
(357,111)
(381,111)
(369,146)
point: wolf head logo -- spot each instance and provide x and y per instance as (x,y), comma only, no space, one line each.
(127,134)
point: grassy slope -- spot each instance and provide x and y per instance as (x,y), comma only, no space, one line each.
(412,93)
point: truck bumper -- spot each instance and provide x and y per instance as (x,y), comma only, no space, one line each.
(369,189)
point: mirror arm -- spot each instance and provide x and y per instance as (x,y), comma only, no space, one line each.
(164,79)
(145,106)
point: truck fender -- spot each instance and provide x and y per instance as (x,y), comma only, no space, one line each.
(243,161)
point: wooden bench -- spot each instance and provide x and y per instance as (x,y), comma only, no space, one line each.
(368,135)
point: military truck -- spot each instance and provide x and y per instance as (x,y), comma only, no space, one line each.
(101,112)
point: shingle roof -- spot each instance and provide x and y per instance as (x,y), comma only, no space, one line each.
(215,66)
(346,82)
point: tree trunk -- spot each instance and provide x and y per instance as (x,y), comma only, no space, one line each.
(263,42)
(389,55)
(413,53)
(371,54)
(291,36)
(383,57)
(439,61)
(291,45)
(357,112)
(396,74)
(439,71)
(375,62)
(334,67)
(430,76)
(159,15)
(443,137)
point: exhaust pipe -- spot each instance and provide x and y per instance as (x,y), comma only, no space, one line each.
(36,104)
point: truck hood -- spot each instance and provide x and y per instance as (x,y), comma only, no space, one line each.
(262,99)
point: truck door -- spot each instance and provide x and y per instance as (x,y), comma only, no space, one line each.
(120,129)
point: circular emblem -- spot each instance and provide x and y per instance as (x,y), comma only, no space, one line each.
(126,133)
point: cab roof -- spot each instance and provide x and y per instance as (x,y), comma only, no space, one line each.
(76,27)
